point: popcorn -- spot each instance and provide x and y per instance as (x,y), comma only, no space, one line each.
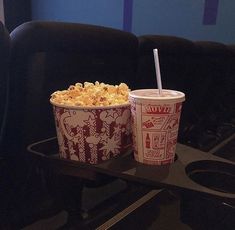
(89,94)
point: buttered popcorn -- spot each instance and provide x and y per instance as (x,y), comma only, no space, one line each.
(92,94)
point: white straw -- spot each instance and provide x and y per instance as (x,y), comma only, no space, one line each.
(157,68)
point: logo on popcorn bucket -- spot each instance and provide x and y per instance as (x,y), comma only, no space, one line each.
(93,135)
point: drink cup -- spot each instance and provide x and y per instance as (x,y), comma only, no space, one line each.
(155,124)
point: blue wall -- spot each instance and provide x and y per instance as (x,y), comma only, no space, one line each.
(99,12)
(184,18)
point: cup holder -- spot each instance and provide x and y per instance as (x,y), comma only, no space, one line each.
(215,175)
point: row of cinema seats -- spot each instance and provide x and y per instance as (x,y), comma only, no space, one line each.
(47,56)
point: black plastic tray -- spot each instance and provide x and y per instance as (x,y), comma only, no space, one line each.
(186,173)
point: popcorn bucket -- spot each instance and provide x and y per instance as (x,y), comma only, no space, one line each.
(155,123)
(92,134)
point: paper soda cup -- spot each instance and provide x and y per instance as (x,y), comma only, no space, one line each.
(155,123)
(92,134)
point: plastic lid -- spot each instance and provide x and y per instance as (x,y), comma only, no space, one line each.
(153,94)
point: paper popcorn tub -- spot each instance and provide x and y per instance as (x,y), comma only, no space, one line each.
(92,134)
(155,123)
(92,121)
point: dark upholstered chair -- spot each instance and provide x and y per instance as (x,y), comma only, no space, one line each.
(205,71)
(48,56)
(177,68)
(4,67)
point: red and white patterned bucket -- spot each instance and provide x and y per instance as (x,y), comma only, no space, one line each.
(92,134)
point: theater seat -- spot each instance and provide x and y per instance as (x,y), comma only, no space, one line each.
(48,56)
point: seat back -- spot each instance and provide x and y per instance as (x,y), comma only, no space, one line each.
(48,56)
(204,71)
(177,68)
